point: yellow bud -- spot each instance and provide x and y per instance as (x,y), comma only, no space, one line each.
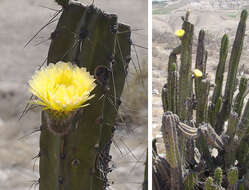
(197,73)
(180,33)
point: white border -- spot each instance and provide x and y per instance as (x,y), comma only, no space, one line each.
(149,94)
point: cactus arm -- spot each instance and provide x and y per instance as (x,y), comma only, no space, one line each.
(172,83)
(201,53)
(202,100)
(209,184)
(242,129)
(238,105)
(232,72)
(164,96)
(170,102)
(218,175)
(190,181)
(232,177)
(71,161)
(173,151)
(184,105)
(217,94)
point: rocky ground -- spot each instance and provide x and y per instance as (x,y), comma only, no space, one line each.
(216,17)
(20,19)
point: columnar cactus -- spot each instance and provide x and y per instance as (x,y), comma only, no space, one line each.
(232,73)
(77,157)
(219,158)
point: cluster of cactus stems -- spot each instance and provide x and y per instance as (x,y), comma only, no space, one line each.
(77,158)
(197,120)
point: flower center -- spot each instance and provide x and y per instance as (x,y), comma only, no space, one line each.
(64,80)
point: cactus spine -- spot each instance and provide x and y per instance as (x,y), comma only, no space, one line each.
(87,37)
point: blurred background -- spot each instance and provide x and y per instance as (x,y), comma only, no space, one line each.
(216,17)
(20,20)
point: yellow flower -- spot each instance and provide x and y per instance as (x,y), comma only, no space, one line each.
(197,73)
(180,33)
(62,87)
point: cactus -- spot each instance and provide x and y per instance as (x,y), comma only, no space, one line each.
(184,106)
(214,107)
(78,159)
(218,176)
(209,184)
(232,177)
(189,136)
(232,72)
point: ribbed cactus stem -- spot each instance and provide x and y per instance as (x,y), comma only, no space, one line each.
(184,104)
(164,97)
(209,184)
(201,86)
(238,105)
(232,124)
(201,53)
(173,152)
(190,182)
(79,159)
(172,83)
(218,175)
(242,155)
(231,145)
(244,123)
(232,72)
(202,101)
(232,176)
(214,108)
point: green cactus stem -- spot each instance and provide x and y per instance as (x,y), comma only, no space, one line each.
(202,101)
(244,123)
(164,96)
(191,181)
(214,108)
(238,105)
(201,53)
(172,83)
(201,86)
(75,160)
(231,145)
(232,72)
(173,150)
(232,177)
(209,184)
(218,176)
(184,104)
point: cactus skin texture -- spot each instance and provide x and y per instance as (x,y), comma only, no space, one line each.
(238,105)
(189,136)
(185,79)
(232,176)
(232,72)
(209,184)
(214,107)
(79,159)
(218,176)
